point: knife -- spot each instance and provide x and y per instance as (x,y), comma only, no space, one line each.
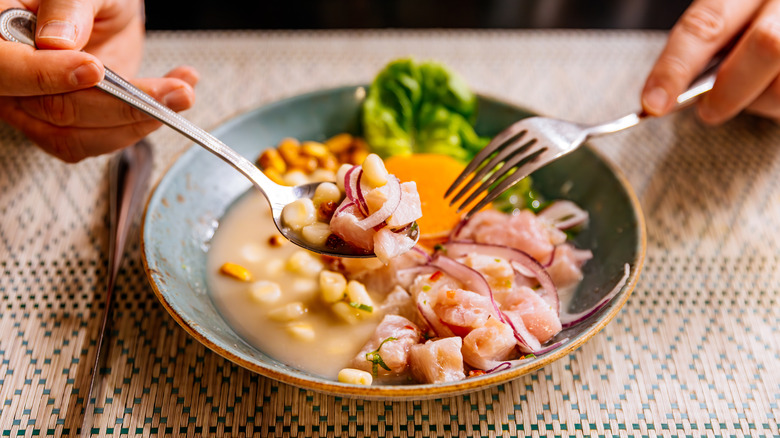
(129,172)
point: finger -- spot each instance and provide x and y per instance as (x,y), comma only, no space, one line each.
(93,108)
(768,103)
(74,144)
(25,71)
(703,29)
(186,73)
(749,70)
(64,24)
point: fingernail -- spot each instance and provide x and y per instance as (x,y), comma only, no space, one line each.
(85,74)
(60,30)
(177,99)
(656,100)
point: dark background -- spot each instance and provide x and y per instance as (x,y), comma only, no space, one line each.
(379,14)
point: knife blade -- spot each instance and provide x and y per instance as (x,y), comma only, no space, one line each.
(129,172)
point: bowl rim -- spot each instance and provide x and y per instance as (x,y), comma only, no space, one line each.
(400,392)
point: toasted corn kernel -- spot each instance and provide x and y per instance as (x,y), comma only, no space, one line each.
(328,162)
(289,149)
(235,271)
(355,377)
(357,156)
(275,177)
(276,241)
(271,159)
(339,143)
(315,149)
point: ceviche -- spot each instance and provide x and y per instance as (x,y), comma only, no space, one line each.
(472,297)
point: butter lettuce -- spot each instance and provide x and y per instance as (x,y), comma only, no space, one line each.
(421,107)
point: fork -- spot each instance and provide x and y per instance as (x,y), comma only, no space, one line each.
(533,142)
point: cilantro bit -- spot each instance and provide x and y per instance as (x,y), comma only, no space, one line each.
(360,306)
(376,359)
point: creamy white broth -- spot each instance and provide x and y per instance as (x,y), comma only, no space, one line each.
(243,238)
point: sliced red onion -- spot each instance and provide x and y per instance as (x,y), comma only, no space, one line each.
(387,209)
(422,252)
(494,366)
(455,234)
(572,319)
(344,205)
(550,347)
(520,260)
(431,318)
(359,190)
(564,214)
(526,342)
(351,180)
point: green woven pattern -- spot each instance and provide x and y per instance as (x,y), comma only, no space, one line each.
(693,353)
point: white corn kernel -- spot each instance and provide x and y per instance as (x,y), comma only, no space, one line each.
(316,233)
(322,175)
(299,213)
(304,287)
(340,174)
(265,292)
(332,285)
(355,377)
(346,312)
(374,171)
(326,192)
(295,178)
(304,263)
(288,312)
(252,252)
(273,267)
(301,331)
(357,293)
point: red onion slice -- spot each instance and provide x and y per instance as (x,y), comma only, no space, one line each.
(521,261)
(351,180)
(572,319)
(564,215)
(359,190)
(526,342)
(387,209)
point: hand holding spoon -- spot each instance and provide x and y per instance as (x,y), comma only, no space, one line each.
(18,25)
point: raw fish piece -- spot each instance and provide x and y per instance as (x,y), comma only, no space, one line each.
(493,342)
(437,361)
(394,353)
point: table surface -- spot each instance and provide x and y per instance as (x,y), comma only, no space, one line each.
(694,352)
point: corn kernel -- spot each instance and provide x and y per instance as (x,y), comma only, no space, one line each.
(290,150)
(295,177)
(315,149)
(357,157)
(374,171)
(340,174)
(299,213)
(316,233)
(252,252)
(288,312)
(235,271)
(322,175)
(346,312)
(339,143)
(301,331)
(355,377)
(276,241)
(273,267)
(332,285)
(326,192)
(328,162)
(275,177)
(265,292)
(304,263)
(357,293)
(304,287)
(271,159)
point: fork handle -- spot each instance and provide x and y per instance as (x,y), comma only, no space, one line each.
(702,84)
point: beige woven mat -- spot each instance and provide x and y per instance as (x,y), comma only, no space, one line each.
(695,351)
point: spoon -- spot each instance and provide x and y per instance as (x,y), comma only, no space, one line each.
(18,25)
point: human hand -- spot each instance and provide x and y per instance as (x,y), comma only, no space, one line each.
(749,77)
(48,94)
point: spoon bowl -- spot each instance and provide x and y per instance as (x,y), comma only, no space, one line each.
(18,25)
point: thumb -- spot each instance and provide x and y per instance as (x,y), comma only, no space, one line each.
(64,24)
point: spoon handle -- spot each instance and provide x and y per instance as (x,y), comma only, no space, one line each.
(18,25)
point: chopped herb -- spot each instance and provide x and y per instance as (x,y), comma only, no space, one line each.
(529,356)
(426,288)
(376,359)
(439,247)
(497,260)
(363,307)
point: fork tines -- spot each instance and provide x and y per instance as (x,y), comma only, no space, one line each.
(496,168)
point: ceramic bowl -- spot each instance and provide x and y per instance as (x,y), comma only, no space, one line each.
(187,204)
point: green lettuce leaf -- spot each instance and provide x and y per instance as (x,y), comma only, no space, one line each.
(415,107)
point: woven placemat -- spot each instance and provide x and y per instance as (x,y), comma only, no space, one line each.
(693,353)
